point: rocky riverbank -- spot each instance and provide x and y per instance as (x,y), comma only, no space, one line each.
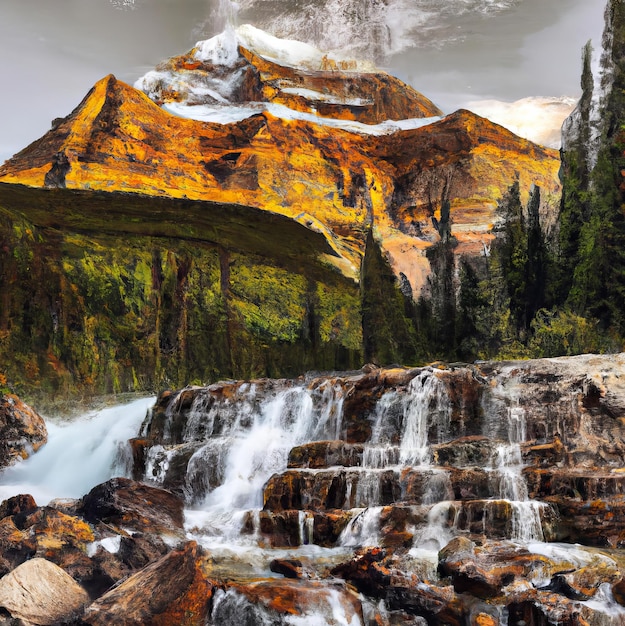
(439,495)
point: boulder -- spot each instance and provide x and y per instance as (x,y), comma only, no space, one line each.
(16,545)
(323,454)
(289,568)
(484,572)
(438,604)
(367,572)
(22,430)
(172,591)
(23,503)
(40,592)
(281,601)
(130,504)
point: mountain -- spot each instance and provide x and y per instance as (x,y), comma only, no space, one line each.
(246,133)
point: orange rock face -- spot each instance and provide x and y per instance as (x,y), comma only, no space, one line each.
(173,590)
(334,179)
(21,430)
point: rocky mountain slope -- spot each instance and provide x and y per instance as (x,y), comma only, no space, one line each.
(310,147)
(247,206)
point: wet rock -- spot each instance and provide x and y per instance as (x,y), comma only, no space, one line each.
(171,591)
(41,593)
(16,545)
(22,430)
(323,454)
(367,572)
(141,549)
(129,504)
(437,604)
(23,504)
(618,591)
(597,523)
(543,608)
(583,583)
(484,572)
(275,601)
(330,489)
(467,451)
(289,568)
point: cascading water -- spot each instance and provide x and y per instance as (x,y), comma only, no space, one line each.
(426,404)
(526,520)
(253,445)
(79,454)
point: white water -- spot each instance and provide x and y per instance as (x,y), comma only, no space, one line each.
(79,455)
(254,444)
(426,405)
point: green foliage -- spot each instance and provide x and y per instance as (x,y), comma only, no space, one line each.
(389,334)
(564,333)
(98,314)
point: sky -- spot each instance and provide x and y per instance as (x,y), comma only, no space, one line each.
(502,50)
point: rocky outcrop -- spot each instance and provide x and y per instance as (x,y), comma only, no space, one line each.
(127,504)
(22,430)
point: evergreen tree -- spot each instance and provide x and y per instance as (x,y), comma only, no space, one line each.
(537,260)
(575,176)
(512,253)
(389,334)
(598,287)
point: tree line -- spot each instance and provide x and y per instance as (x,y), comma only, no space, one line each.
(535,293)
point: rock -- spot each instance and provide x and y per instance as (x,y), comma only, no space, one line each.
(438,604)
(284,600)
(22,430)
(544,608)
(23,504)
(129,504)
(484,572)
(16,545)
(41,593)
(618,591)
(367,572)
(169,592)
(321,490)
(289,568)
(323,454)
(583,583)
(468,451)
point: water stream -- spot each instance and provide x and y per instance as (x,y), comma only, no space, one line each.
(243,438)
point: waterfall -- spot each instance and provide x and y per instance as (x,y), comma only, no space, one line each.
(79,454)
(327,608)
(525,521)
(425,404)
(363,529)
(441,526)
(250,446)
